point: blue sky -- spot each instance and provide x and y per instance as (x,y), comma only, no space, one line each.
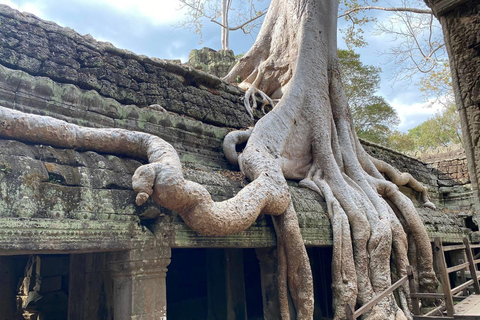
(148,27)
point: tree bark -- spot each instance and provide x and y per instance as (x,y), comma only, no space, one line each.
(225,26)
(294,58)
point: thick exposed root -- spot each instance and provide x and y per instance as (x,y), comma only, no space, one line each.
(232,139)
(400,261)
(344,276)
(162,179)
(293,267)
(413,225)
(402,179)
(364,284)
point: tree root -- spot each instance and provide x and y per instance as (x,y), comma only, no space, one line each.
(293,266)
(162,179)
(347,265)
(232,139)
(423,260)
(402,179)
(344,276)
(250,95)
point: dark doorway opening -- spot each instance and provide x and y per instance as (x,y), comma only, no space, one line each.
(187,285)
(253,287)
(214,284)
(321,263)
(34,286)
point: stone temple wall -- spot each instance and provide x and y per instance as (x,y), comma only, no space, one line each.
(62,200)
(218,63)
(451,163)
(460,26)
(452,176)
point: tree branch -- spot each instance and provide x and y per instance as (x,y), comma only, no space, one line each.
(196,9)
(242,25)
(397,9)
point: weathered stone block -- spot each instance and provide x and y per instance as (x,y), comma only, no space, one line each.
(213,62)
(475,237)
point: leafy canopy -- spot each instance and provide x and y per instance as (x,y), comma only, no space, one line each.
(372,116)
(441,130)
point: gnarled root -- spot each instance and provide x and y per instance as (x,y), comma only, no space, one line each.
(230,142)
(162,179)
(412,223)
(344,276)
(250,93)
(362,271)
(402,179)
(419,248)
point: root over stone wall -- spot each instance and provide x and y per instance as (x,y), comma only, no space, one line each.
(54,71)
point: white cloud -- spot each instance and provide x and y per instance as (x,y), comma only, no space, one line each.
(34,7)
(157,12)
(173,51)
(412,114)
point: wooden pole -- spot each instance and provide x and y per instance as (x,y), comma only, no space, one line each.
(473,269)
(442,268)
(413,290)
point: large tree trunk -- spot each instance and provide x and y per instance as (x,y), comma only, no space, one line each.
(295,58)
(307,137)
(461,29)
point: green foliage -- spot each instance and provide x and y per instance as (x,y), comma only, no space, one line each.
(373,117)
(400,141)
(441,130)
(374,121)
(353,33)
